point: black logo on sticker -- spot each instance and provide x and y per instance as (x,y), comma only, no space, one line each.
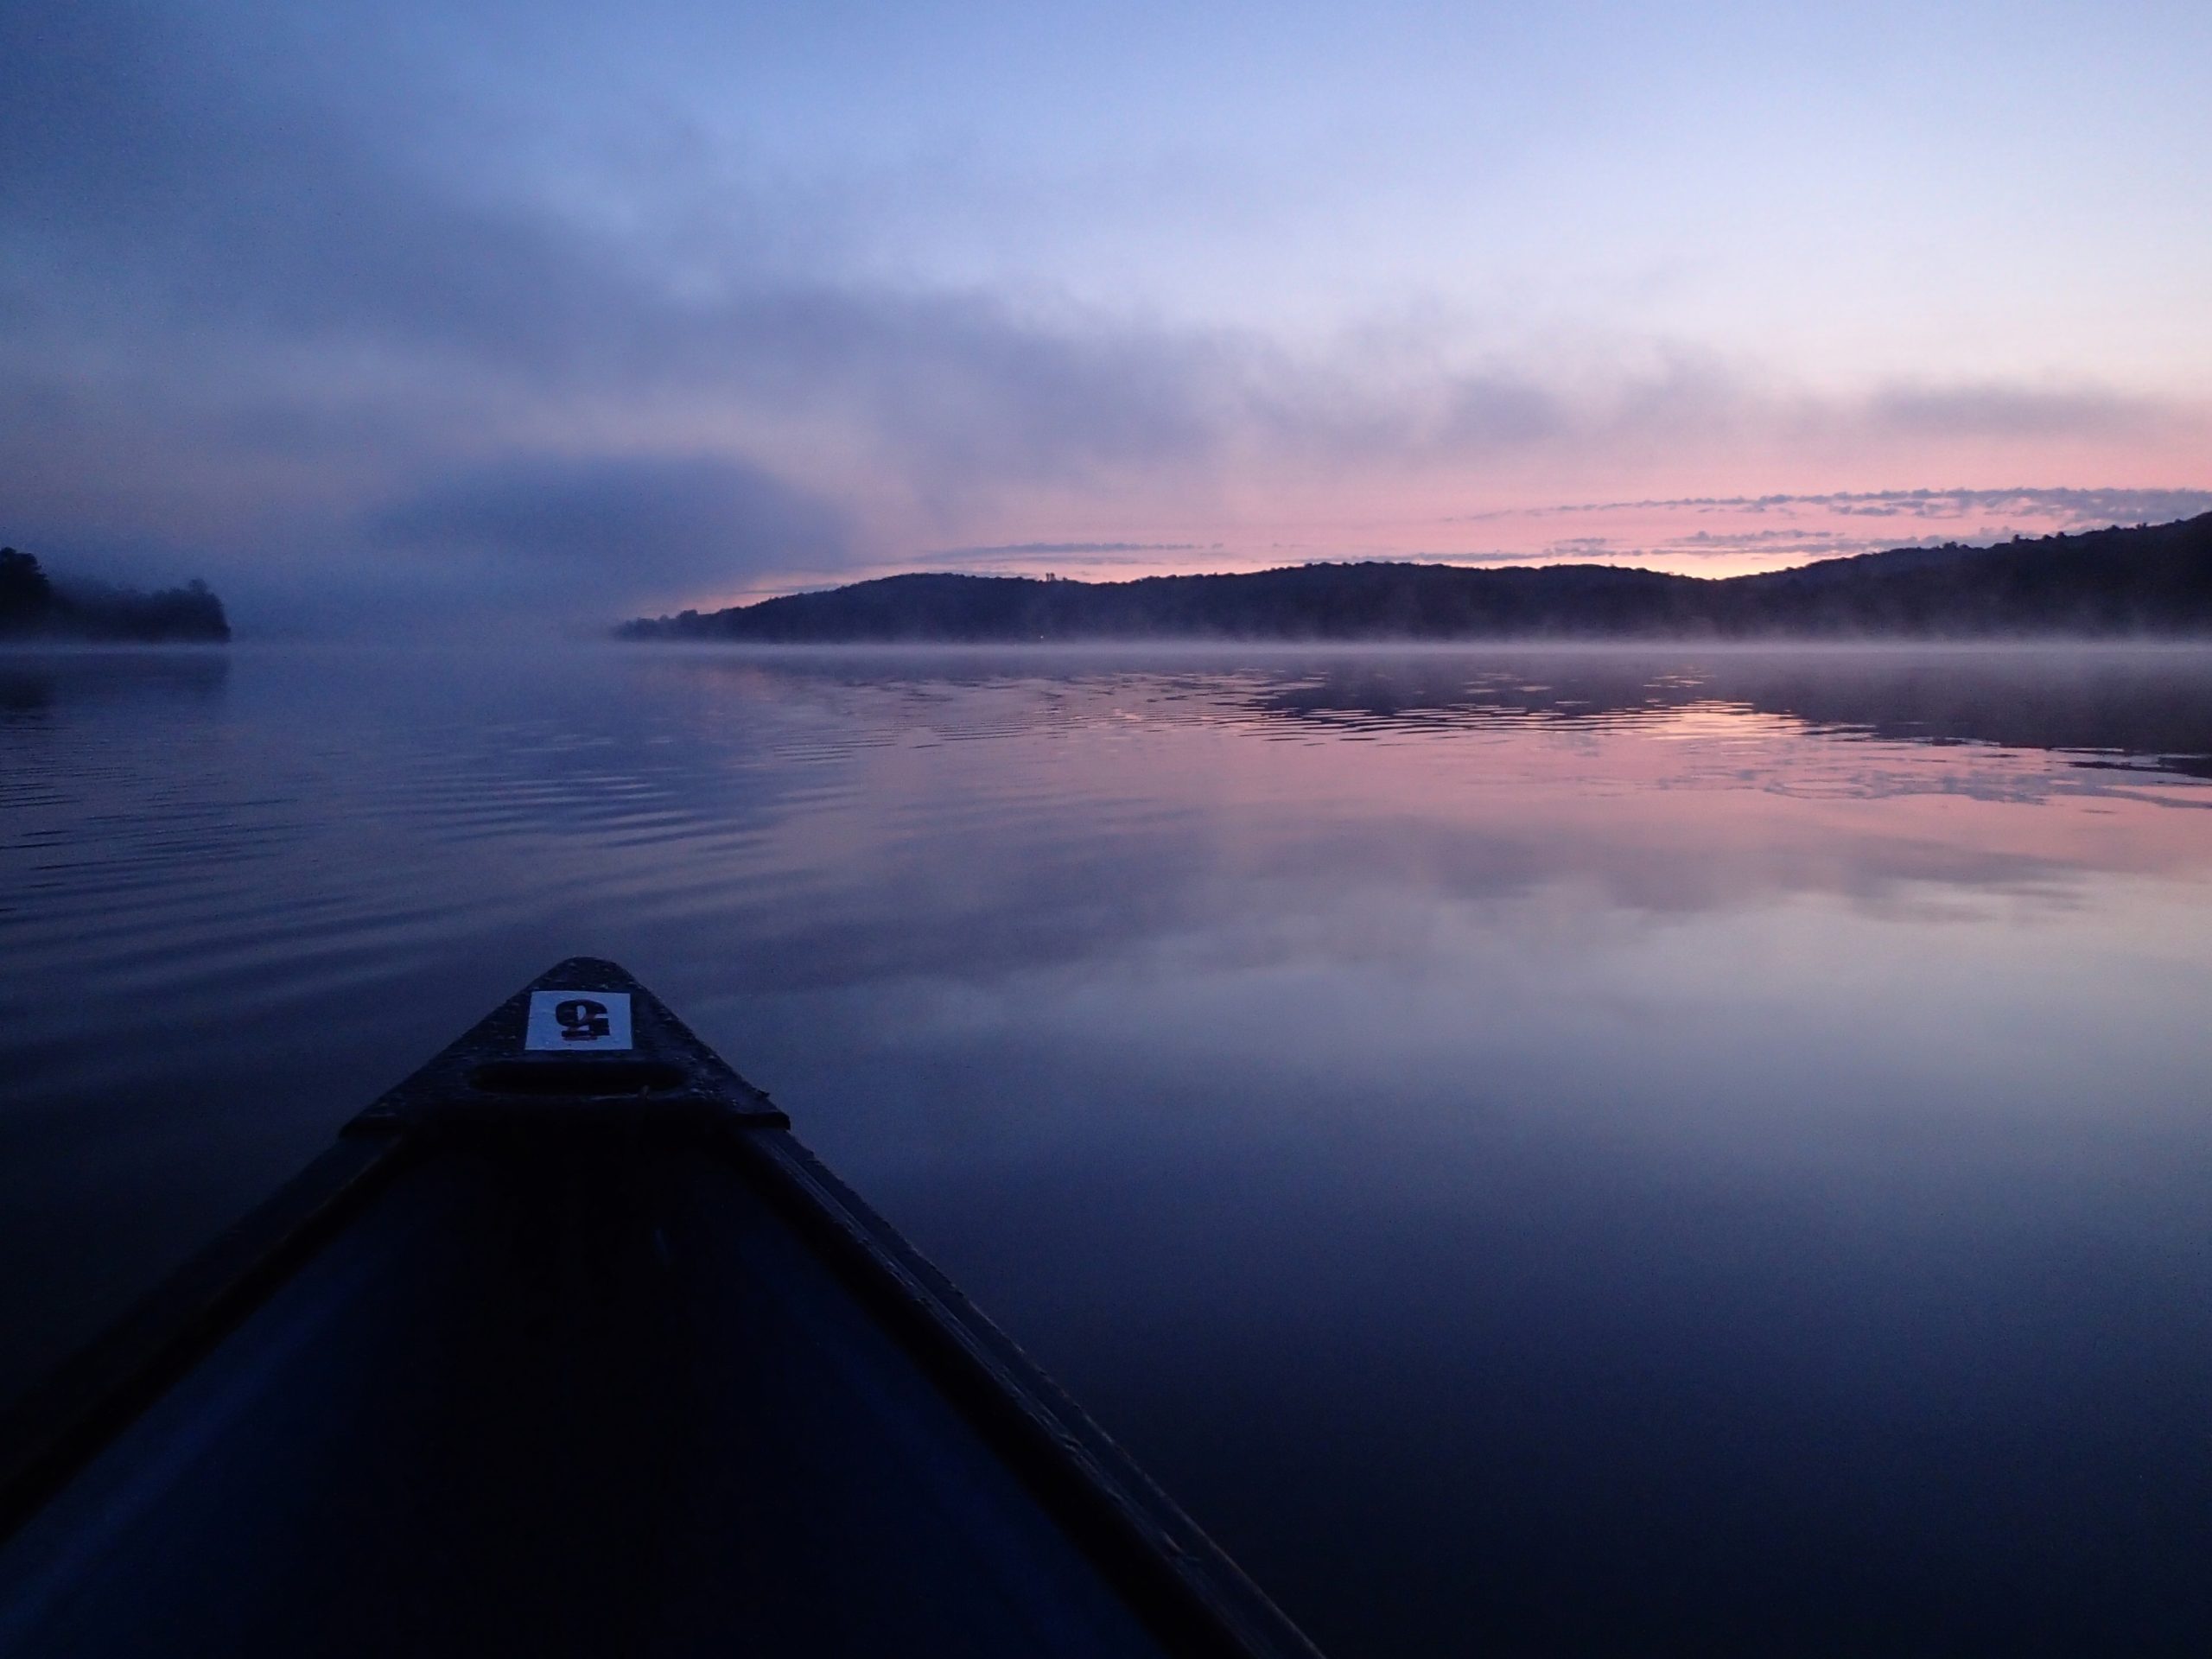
(582,1021)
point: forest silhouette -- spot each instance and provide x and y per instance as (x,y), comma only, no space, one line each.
(2147,580)
(34,606)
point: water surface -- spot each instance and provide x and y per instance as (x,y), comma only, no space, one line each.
(1539,1151)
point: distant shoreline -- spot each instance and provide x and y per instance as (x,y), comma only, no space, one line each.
(36,610)
(2149,583)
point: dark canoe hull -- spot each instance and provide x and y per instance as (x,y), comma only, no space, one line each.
(528,1365)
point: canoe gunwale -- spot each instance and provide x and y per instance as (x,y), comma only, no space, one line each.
(1181,1586)
(51,1433)
(1197,1598)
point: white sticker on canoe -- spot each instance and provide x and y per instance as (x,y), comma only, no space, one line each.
(572,1019)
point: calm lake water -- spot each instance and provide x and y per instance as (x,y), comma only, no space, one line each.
(1540,1153)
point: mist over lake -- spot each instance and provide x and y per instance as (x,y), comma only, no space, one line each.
(1602,1150)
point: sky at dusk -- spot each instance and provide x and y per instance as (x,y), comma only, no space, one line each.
(402,311)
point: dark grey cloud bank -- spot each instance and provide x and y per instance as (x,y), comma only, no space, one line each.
(214,276)
(581,522)
(312,325)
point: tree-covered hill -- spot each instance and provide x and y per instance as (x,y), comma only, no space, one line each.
(2146,580)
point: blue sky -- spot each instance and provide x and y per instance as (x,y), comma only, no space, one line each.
(552,310)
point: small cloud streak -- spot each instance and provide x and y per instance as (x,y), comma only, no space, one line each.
(1025,549)
(2078,509)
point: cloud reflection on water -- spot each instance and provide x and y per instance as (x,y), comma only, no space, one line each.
(1565,1147)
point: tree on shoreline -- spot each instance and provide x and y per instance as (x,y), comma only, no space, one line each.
(35,607)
